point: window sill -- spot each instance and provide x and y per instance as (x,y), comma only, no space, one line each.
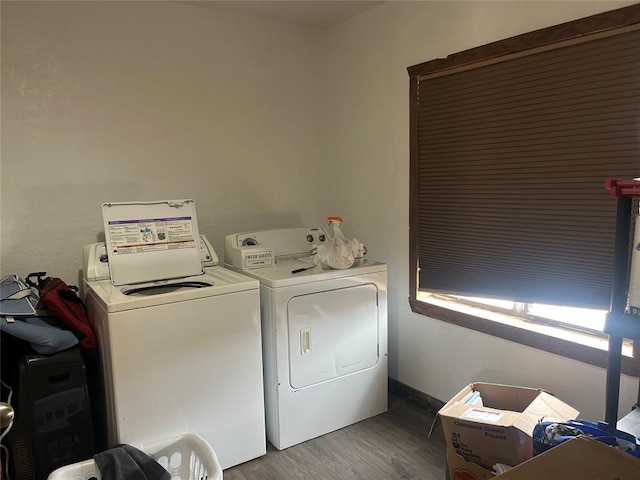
(591,349)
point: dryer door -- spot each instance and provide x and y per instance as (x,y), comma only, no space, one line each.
(332,333)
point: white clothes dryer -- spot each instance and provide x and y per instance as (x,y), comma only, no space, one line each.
(180,348)
(324,334)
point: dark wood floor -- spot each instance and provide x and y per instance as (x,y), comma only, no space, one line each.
(393,445)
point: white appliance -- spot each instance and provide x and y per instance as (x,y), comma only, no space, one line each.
(179,337)
(324,334)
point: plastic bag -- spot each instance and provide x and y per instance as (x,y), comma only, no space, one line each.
(338,252)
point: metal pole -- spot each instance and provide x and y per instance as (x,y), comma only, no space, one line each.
(617,308)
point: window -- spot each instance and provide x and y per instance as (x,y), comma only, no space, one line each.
(511,143)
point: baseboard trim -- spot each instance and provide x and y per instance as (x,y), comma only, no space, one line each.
(414,396)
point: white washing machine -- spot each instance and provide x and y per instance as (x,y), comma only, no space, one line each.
(179,337)
(324,334)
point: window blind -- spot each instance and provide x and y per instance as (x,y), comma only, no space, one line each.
(510,157)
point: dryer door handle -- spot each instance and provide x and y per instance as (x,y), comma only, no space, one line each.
(305,341)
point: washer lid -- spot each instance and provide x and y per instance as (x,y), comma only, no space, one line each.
(148,241)
(220,282)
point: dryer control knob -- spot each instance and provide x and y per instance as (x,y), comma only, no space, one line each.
(249,242)
(310,238)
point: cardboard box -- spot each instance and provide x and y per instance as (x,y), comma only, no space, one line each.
(459,469)
(580,458)
(499,430)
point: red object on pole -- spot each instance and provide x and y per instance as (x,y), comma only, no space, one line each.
(622,188)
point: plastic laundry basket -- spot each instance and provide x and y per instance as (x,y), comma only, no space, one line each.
(185,457)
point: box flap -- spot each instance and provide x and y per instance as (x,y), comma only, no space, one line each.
(545,407)
(581,458)
(457,397)
(506,397)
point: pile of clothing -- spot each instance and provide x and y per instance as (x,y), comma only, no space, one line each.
(549,434)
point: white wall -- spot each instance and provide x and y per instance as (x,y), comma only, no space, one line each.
(369,112)
(265,125)
(118,101)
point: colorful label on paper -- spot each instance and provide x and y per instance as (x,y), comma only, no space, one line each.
(482,415)
(150,235)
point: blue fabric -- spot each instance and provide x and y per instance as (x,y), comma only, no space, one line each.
(44,338)
(16,297)
(549,434)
